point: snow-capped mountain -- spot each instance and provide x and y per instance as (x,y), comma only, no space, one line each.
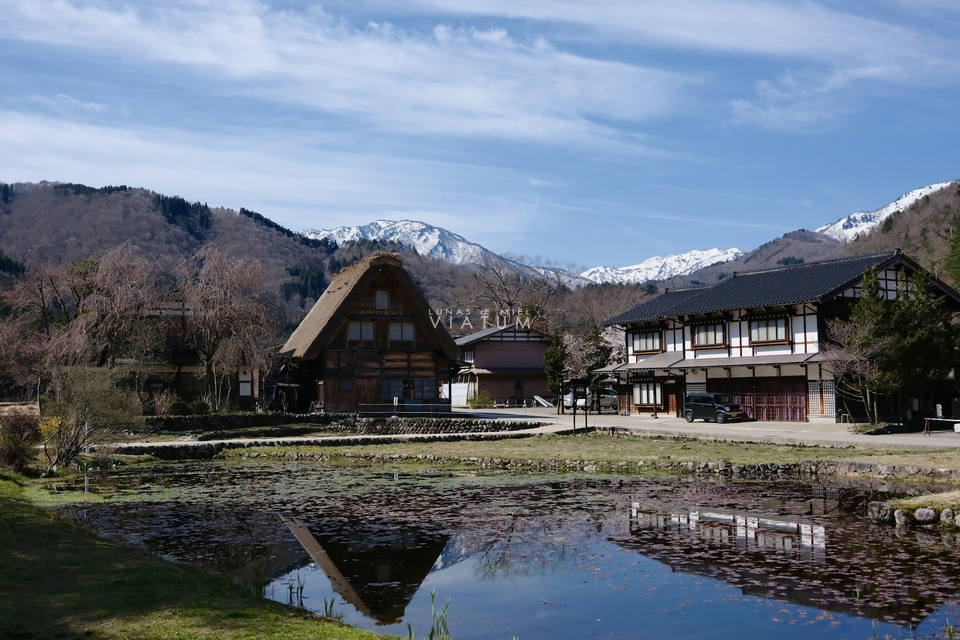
(427,240)
(662,267)
(846,229)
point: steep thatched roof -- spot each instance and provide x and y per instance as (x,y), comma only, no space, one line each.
(330,312)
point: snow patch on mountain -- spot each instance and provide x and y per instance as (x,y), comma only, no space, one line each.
(848,228)
(427,240)
(662,267)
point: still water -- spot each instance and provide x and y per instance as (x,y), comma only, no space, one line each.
(537,556)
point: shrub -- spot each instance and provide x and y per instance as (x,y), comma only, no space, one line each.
(482,399)
(19,435)
(199,407)
(179,407)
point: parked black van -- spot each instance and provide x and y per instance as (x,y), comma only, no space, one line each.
(711,406)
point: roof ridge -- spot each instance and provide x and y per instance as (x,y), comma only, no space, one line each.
(819,263)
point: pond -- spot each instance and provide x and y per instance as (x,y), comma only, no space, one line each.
(538,556)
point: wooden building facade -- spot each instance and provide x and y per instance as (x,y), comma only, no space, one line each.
(755,336)
(506,362)
(369,339)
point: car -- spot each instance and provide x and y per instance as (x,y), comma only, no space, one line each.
(608,400)
(711,406)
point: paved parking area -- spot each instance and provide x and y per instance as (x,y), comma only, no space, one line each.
(814,433)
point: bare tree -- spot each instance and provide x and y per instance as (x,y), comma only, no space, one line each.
(88,405)
(227,320)
(851,353)
(513,285)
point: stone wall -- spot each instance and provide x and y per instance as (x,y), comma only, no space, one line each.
(341,423)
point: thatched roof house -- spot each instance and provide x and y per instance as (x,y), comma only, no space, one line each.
(370,339)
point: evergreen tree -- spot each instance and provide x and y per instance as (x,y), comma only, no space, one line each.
(952,262)
(596,353)
(554,365)
(889,347)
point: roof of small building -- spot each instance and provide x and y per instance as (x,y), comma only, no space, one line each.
(477,336)
(796,284)
(328,314)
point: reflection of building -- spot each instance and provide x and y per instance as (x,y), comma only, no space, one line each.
(784,555)
(741,530)
(369,340)
(506,362)
(375,569)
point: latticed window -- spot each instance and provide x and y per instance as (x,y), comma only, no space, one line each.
(647,393)
(710,335)
(382,300)
(645,342)
(768,330)
(401,331)
(359,332)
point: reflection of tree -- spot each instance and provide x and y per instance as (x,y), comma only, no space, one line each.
(525,547)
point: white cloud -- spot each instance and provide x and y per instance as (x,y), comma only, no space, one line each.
(450,81)
(62,103)
(802,30)
(283,176)
(912,47)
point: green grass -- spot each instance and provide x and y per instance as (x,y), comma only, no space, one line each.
(58,581)
(938,501)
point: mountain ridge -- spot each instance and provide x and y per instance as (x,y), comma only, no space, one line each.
(847,229)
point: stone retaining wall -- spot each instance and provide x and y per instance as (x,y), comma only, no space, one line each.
(884,512)
(343,423)
(209,450)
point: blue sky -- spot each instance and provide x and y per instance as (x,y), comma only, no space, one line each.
(601,132)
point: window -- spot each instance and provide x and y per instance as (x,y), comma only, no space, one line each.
(768,330)
(710,335)
(425,389)
(401,331)
(648,393)
(645,342)
(358,332)
(346,384)
(468,356)
(382,300)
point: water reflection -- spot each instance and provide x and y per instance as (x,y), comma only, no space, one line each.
(376,571)
(546,557)
(844,564)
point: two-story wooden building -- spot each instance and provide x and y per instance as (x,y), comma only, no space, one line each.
(369,339)
(506,362)
(756,336)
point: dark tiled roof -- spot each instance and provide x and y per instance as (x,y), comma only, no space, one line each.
(483,334)
(779,287)
(655,308)
(770,288)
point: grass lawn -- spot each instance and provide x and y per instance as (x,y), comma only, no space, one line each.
(58,581)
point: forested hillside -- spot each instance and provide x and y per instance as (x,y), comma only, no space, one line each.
(62,223)
(928,231)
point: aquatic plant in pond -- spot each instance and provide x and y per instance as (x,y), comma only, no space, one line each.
(439,630)
(546,557)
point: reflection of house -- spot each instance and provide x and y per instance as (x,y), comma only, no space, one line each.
(798,559)
(755,336)
(369,339)
(378,572)
(506,362)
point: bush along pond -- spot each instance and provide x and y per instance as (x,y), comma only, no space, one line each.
(501,554)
